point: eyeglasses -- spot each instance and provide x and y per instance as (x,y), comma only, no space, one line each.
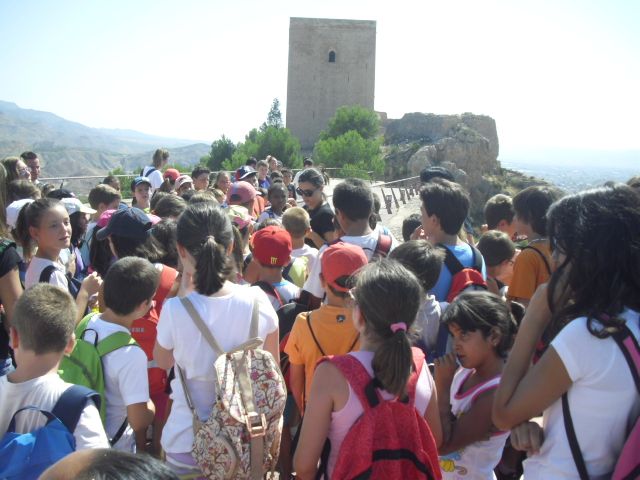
(305,193)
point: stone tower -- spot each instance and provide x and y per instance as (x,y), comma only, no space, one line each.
(331,64)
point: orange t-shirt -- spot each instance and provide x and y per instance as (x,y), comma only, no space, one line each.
(530,270)
(334,330)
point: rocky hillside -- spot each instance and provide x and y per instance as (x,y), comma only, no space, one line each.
(467,145)
(72,149)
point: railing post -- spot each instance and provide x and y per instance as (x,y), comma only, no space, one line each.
(387,200)
(395,199)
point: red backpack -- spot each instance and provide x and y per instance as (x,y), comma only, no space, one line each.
(144,330)
(390,439)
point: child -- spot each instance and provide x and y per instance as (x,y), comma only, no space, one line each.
(499,254)
(482,328)
(533,265)
(41,333)
(445,205)
(45,222)
(204,244)
(272,251)
(129,288)
(141,191)
(332,331)
(425,262)
(592,296)
(262,168)
(287,178)
(277,196)
(296,221)
(498,213)
(409,225)
(101,198)
(386,299)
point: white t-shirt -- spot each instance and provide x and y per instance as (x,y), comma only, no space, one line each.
(125,380)
(475,461)
(602,400)
(37,265)
(306,251)
(154,177)
(43,392)
(228,318)
(367,242)
(428,321)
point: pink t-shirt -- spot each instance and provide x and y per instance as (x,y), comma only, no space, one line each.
(343,419)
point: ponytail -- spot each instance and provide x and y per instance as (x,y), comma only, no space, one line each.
(388,322)
(30,216)
(205,232)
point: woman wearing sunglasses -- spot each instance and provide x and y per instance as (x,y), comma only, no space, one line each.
(310,187)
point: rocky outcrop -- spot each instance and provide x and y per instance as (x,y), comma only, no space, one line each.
(466,145)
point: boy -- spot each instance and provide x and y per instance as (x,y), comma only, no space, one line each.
(129,288)
(498,213)
(533,265)
(328,330)
(101,198)
(287,178)
(41,333)
(263,175)
(499,253)
(277,196)
(200,177)
(445,205)
(409,225)
(141,190)
(272,251)
(296,221)
(353,204)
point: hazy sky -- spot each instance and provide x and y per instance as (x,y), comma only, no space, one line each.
(554,73)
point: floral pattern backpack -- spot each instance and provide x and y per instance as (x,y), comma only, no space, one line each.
(241,437)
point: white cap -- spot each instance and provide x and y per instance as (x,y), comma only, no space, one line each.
(74,205)
(13,209)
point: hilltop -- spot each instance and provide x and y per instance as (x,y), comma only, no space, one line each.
(71,149)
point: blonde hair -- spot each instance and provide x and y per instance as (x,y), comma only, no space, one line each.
(296,221)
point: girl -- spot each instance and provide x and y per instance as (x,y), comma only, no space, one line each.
(310,187)
(16,170)
(45,223)
(141,190)
(278,199)
(482,328)
(205,241)
(593,292)
(386,297)
(222,182)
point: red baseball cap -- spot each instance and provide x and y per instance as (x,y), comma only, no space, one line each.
(341,260)
(272,246)
(172,174)
(240,192)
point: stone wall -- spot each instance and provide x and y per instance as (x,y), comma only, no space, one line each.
(316,87)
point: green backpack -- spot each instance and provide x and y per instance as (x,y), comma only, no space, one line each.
(84,365)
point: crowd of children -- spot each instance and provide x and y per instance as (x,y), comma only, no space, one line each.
(330,348)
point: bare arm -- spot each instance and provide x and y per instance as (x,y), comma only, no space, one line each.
(10,291)
(272,345)
(140,415)
(163,357)
(432,416)
(296,382)
(525,392)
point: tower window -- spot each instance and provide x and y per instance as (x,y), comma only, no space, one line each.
(332,57)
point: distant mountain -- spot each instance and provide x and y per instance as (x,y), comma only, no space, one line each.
(72,149)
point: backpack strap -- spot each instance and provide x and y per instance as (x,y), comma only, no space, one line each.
(269,290)
(287,270)
(45,274)
(358,378)
(313,335)
(71,404)
(542,255)
(202,327)
(114,342)
(451,261)
(383,247)
(631,352)
(418,363)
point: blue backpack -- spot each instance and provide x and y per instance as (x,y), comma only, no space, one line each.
(25,456)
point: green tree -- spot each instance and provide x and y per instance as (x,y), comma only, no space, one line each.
(355,154)
(274,117)
(353,117)
(271,140)
(221,150)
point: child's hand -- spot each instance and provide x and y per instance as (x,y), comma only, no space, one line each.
(527,437)
(446,367)
(91,284)
(418,234)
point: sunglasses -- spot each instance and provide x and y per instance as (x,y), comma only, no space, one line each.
(305,193)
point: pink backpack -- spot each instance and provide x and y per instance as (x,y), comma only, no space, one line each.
(628,464)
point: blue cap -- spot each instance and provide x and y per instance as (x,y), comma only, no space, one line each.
(130,223)
(138,180)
